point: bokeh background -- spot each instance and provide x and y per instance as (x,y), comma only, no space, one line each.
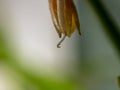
(30,60)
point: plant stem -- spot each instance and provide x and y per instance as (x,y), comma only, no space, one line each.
(107,21)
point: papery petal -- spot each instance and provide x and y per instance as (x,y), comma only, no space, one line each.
(61,15)
(75,17)
(54,15)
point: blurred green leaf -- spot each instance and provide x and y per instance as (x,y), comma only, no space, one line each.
(9,57)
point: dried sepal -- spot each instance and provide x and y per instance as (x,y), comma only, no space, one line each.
(64,17)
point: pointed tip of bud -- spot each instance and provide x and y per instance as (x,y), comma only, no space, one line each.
(58,45)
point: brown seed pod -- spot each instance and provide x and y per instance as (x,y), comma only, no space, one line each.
(64,17)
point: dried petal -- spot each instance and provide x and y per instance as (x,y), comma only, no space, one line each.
(54,15)
(75,18)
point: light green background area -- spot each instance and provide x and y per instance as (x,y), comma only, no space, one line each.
(89,61)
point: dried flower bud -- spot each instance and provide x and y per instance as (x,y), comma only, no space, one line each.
(64,17)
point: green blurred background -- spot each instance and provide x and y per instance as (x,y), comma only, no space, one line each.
(29,59)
